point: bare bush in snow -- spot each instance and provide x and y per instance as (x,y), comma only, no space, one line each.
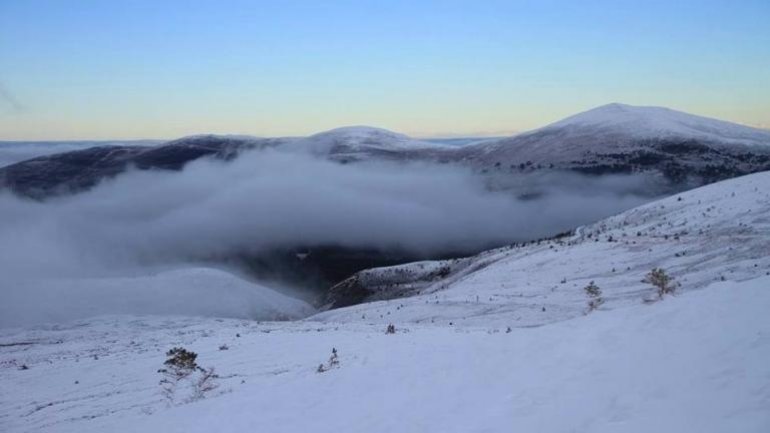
(205,383)
(595,293)
(663,283)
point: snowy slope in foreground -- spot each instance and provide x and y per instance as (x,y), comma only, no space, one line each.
(190,291)
(691,363)
(720,231)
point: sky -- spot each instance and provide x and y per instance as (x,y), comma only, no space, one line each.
(84,69)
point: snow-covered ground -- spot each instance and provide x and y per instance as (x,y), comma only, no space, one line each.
(693,362)
(501,342)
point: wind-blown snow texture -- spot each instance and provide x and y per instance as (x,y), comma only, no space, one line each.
(696,361)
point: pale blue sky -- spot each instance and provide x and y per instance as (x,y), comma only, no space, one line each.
(74,69)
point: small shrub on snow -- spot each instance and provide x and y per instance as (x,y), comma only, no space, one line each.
(595,293)
(663,283)
(205,383)
(593,290)
(333,362)
(391,329)
(180,363)
(442,272)
(180,368)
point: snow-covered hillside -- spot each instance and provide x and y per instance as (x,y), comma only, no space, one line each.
(649,122)
(498,342)
(618,138)
(695,362)
(82,169)
(354,143)
(79,170)
(12,152)
(713,233)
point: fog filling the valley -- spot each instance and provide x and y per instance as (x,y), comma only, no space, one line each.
(268,199)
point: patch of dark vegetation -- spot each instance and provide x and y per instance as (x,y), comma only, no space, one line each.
(645,158)
(603,168)
(80,170)
(319,268)
(388,283)
(680,161)
(683,147)
(352,291)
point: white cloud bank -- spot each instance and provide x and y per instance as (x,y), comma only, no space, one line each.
(267,199)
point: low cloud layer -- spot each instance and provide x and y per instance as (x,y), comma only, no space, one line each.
(269,199)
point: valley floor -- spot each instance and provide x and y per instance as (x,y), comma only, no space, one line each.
(696,362)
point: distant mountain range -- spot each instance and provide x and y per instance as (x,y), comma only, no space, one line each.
(612,139)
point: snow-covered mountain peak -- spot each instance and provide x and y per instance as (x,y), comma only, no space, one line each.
(354,140)
(619,114)
(651,122)
(360,136)
(360,132)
